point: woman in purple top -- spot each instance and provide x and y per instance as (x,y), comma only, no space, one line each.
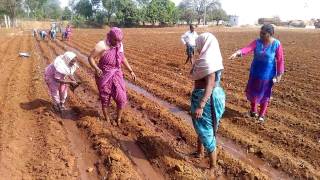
(109,74)
(266,69)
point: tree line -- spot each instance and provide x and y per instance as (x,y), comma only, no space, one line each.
(126,13)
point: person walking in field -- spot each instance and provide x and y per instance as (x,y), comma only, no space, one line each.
(189,40)
(60,74)
(208,97)
(109,75)
(266,69)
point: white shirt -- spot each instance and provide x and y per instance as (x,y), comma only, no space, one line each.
(189,38)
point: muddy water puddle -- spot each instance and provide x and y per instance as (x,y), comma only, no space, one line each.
(86,157)
(128,145)
(229,146)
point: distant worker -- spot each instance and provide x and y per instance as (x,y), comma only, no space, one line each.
(43,34)
(189,40)
(109,75)
(34,32)
(60,74)
(67,33)
(53,33)
(266,69)
(208,97)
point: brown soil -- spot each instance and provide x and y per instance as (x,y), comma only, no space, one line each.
(156,137)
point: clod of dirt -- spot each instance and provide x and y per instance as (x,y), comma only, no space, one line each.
(47,114)
(251,150)
(125,133)
(220,162)
(61,123)
(144,106)
(116,157)
(178,168)
(90,170)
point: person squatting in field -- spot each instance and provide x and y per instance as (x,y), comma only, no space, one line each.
(266,69)
(109,75)
(58,75)
(53,33)
(189,40)
(208,97)
(43,34)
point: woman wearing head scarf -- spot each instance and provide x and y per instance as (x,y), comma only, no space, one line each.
(266,69)
(58,75)
(208,98)
(109,75)
(67,33)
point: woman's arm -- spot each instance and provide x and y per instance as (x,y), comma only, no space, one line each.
(96,52)
(210,82)
(280,60)
(244,51)
(248,49)
(279,63)
(128,67)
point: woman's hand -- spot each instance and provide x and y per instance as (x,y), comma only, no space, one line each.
(198,113)
(74,83)
(133,75)
(277,79)
(235,55)
(98,72)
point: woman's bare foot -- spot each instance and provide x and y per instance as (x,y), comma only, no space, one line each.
(214,172)
(56,108)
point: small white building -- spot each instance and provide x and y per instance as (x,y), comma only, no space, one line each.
(234,20)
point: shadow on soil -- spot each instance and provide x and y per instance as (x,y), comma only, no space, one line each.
(72,113)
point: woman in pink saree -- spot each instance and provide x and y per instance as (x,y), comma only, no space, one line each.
(109,75)
(58,75)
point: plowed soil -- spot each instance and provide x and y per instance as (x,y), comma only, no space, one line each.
(156,137)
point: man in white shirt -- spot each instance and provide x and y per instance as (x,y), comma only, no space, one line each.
(189,39)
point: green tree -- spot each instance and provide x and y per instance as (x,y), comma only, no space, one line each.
(84,8)
(186,12)
(79,21)
(143,10)
(11,7)
(52,9)
(199,7)
(218,15)
(162,11)
(66,14)
(126,12)
(35,7)
(110,7)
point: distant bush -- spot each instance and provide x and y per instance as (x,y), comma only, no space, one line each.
(79,21)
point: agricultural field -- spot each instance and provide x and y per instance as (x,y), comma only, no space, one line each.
(156,138)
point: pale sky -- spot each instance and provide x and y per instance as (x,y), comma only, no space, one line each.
(250,10)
